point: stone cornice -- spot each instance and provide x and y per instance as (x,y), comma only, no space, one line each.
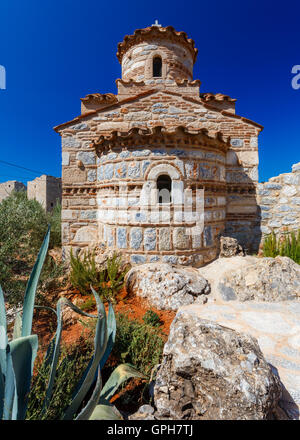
(152,32)
(216,97)
(159,134)
(98,98)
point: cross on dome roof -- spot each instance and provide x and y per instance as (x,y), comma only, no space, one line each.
(156,24)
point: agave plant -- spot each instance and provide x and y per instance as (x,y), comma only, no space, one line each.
(18,355)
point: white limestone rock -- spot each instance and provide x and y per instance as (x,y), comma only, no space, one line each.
(166,287)
(211,372)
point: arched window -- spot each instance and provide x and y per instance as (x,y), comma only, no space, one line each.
(164,186)
(157,67)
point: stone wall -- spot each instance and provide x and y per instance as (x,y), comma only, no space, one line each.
(46,190)
(6,188)
(279,202)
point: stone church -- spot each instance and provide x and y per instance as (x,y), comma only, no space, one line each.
(159,132)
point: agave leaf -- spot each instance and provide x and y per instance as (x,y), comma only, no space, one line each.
(32,285)
(92,403)
(111,334)
(100,342)
(23,352)
(17,326)
(122,373)
(2,394)
(9,390)
(54,355)
(105,411)
(3,334)
(77,310)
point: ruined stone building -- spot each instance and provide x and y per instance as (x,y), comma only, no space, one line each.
(158,132)
(6,188)
(46,190)
(279,202)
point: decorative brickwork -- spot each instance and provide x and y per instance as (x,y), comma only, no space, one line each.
(114,153)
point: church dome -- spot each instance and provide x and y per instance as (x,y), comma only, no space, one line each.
(157,54)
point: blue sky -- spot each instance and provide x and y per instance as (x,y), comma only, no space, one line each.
(56,52)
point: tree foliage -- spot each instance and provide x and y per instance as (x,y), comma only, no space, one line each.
(23,224)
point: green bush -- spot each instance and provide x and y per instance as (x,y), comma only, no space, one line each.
(89,399)
(23,224)
(151,318)
(72,363)
(139,344)
(287,245)
(107,281)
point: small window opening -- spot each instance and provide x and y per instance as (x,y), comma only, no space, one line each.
(164,186)
(157,67)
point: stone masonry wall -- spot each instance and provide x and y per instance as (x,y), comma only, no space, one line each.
(81,184)
(6,188)
(279,201)
(46,190)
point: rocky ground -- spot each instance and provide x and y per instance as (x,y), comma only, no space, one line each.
(233,350)
(234,347)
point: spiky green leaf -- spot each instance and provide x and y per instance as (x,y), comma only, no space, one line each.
(9,390)
(55,346)
(30,291)
(111,334)
(23,352)
(100,342)
(92,403)
(17,326)
(105,411)
(118,376)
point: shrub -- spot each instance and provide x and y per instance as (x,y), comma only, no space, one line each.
(23,224)
(89,400)
(139,344)
(107,281)
(287,245)
(72,363)
(151,318)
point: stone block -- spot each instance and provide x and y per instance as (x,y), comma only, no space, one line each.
(120,170)
(81,126)
(164,239)
(70,142)
(138,259)
(237,142)
(207,236)
(291,179)
(121,238)
(87,158)
(134,170)
(136,238)
(65,158)
(88,214)
(108,171)
(289,191)
(91,175)
(150,239)
(73,175)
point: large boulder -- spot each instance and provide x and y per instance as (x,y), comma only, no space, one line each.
(276,327)
(166,287)
(211,372)
(267,279)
